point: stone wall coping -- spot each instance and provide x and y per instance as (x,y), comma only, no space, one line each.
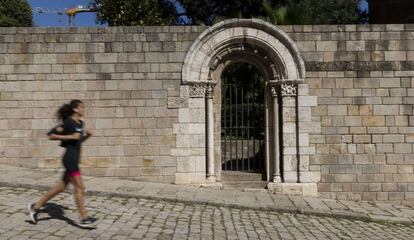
(199,29)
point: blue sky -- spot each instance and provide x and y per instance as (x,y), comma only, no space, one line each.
(82,19)
(48,19)
(363,5)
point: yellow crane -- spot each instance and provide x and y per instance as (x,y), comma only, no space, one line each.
(70,12)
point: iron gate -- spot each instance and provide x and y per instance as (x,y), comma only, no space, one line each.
(242,128)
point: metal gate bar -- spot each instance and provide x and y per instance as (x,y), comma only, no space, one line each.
(236,133)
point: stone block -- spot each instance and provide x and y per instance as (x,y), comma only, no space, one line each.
(344,178)
(156,57)
(105,57)
(307,101)
(305,46)
(362,138)
(390,82)
(355,45)
(390,35)
(345,56)
(177,102)
(371,121)
(366,83)
(344,83)
(197,115)
(410,55)
(326,45)
(312,56)
(352,92)
(402,147)
(386,110)
(393,138)
(170,67)
(182,178)
(337,110)
(395,56)
(353,121)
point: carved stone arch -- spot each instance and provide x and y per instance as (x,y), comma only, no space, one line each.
(243,31)
(273,52)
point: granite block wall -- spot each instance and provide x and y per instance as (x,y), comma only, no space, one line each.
(363,77)
(130,80)
(126,77)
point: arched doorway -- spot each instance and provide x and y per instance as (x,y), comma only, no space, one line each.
(242,121)
(263,148)
(275,55)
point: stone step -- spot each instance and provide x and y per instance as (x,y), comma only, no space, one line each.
(245,185)
(230,176)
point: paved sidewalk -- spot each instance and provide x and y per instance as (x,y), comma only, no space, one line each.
(100,186)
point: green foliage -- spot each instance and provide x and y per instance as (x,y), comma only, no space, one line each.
(15,13)
(276,15)
(324,11)
(207,12)
(136,12)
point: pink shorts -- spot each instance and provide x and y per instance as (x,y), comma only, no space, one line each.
(74,174)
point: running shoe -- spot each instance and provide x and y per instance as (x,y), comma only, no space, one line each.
(87,222)
(33,212)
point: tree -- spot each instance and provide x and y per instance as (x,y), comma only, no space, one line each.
(15,13)
(323,11)
(276,15)
(136,12)
(275,11)
(208,12)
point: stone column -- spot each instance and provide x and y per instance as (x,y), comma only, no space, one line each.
(210,131)
(288,91)
(275,124)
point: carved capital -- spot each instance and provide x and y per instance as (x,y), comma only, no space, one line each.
(289,89)
(197,90)
(210,89)
(274,87)
(202,89)
(274,91)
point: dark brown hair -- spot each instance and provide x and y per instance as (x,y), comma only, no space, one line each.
(66,110)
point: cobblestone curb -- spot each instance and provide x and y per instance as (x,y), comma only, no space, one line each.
(335,214)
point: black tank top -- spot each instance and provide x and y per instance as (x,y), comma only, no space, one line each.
(70,126)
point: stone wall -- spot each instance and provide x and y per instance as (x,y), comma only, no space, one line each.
(363,77)
(130,77)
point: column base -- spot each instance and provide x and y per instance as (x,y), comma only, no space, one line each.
(211,179)
(277,179)
(294,189)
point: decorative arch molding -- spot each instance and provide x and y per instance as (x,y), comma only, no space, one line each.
(239,33)
(287,140)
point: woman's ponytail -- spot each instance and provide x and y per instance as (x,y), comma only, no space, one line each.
(66,111)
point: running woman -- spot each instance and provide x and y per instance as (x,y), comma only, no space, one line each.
(72,135)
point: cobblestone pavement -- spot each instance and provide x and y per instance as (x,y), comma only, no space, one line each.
(132,218)
(42,179)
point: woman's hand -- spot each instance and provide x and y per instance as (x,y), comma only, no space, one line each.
(88,133)
(59,129)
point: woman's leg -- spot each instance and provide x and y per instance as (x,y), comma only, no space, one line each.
(79,194)
(60,187)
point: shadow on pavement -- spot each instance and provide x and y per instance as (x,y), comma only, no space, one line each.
(56,211)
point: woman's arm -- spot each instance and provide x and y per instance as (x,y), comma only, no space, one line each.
(74,136)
